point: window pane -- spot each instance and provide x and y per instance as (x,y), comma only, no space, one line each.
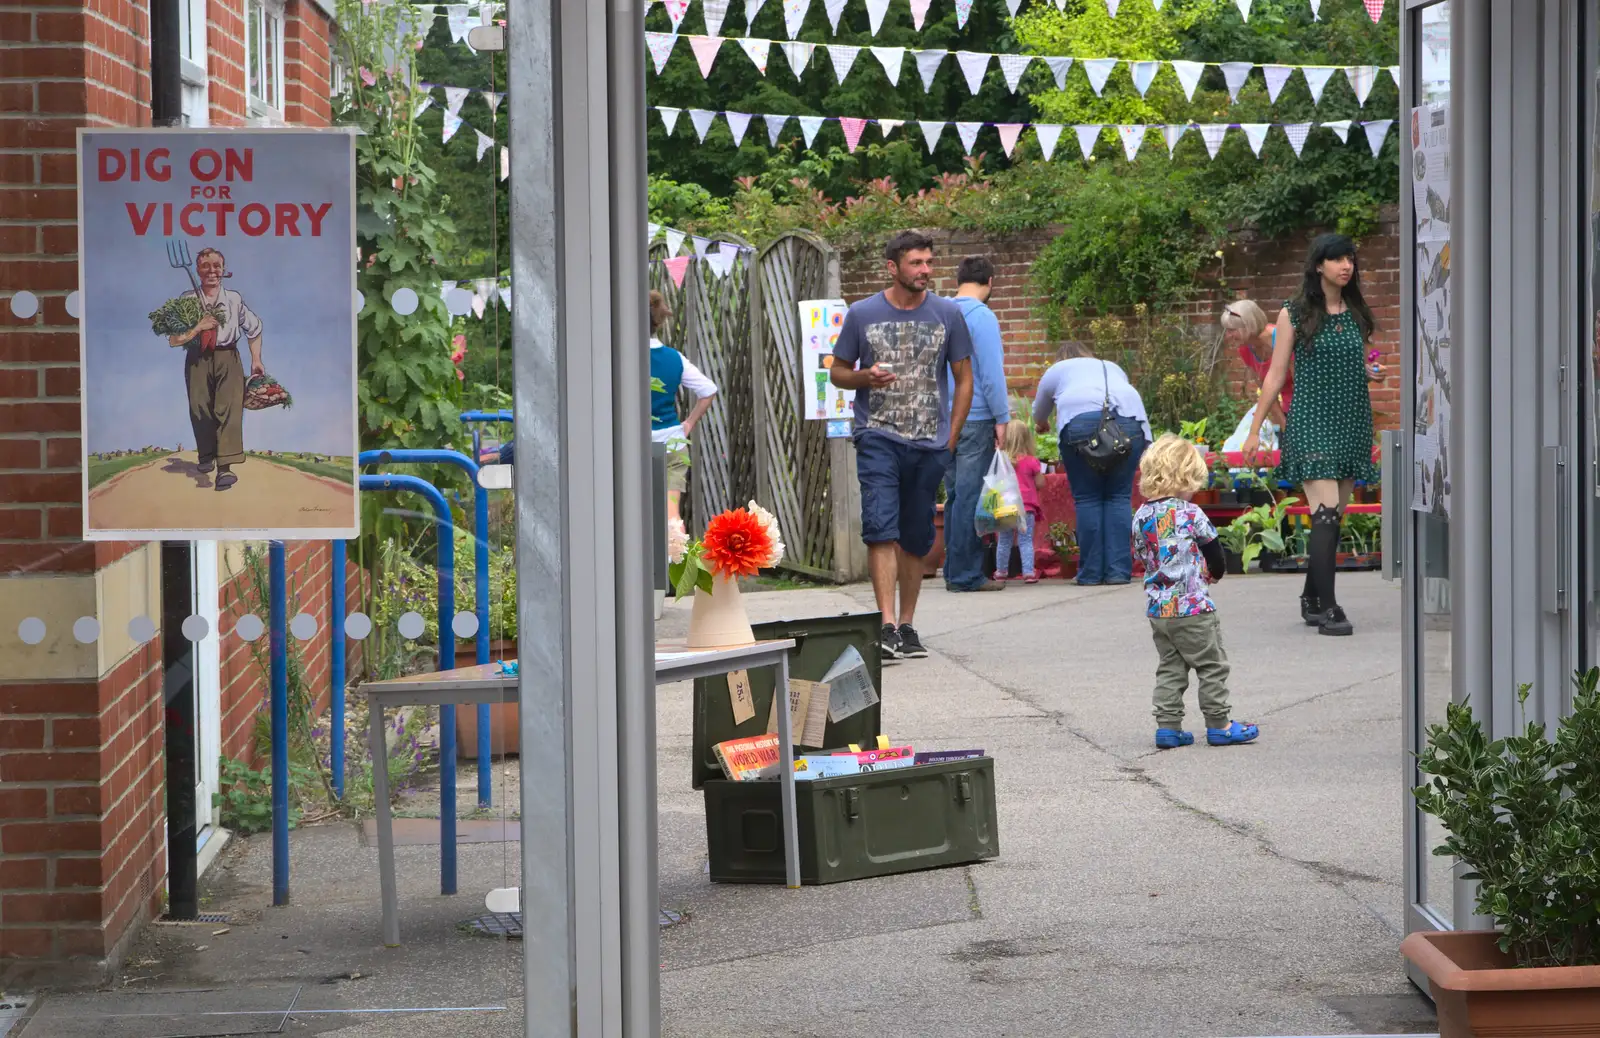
(185,30)
(253,52)
(274,49)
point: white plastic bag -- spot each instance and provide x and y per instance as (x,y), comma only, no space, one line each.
(1000,503)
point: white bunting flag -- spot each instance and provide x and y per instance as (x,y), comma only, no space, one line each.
(1061,5)
(799,55)
(774,127)
(852,131)
(485,142)
(928,62)
(891,58)
(652,231)
(1244,7)
(876,9)
(809,125)
(1377,132)
(715,11)
(1297,134)
(701,246)
(963,12)
(919,11)
(1158,3)
(1009,132)
(885,125)
(1012,66)
(1111,7)
(1088,137)
(1144,73)
(794,15)
(1172,133)
(757,51)
(460,21)
(676,9)
(505,164)
(454,97)
(705,52)
(973,66)
(660,45)
(1132,139)
(478,303)
(1361,78)
(674,241)
(1256,134)
(833,9)
(1048,134)
(843,58)
(1394,74)
(702,120)
(505,296)
(1058,69)
(1317,77)
(751,9)
(669,118)
(1188,73)
(968,132)
(931,130)
(721,262)
(1212,134)
(1316,9)
(452,123)
(1276,76)
(485,287)
(1342,128)
(1235,72)
(1099,70)
(738,122)
(1011,7)
(423,106)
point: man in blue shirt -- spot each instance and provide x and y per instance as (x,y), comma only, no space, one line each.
(963,550)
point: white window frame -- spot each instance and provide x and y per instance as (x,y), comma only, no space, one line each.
(196,93)
(270,13)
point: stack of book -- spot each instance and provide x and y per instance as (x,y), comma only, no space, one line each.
(756,757)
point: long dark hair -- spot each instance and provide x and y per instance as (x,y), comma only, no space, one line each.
(1312,303)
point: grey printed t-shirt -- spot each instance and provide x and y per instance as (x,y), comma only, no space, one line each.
(918,346)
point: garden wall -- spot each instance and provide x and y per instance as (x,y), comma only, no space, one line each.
(1267,271)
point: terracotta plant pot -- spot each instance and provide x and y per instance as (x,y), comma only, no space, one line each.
(719,620)
(1479,993)
(935,557)
(504,733)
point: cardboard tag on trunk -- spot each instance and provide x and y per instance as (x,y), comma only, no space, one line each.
(744,707)
(808,712)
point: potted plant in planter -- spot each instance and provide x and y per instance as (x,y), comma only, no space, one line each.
(1064,541)
(1256,531)
(1222,481)
(1522,815)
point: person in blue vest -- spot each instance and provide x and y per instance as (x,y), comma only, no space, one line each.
(674,371)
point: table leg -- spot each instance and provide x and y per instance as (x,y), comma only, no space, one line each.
(380,795)
(791,833)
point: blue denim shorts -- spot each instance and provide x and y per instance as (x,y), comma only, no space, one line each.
(898,486)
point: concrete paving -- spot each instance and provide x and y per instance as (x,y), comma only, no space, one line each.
(1197,892)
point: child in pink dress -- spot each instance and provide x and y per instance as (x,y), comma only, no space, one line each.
(1020,448)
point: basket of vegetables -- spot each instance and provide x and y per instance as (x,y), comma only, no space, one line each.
(179,317)
(264,391)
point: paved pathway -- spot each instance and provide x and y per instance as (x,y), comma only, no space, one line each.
(172,494)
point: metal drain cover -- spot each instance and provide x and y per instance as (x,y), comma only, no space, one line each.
(671,918)
(507,925)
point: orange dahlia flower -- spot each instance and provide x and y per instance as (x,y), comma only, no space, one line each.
(736,544)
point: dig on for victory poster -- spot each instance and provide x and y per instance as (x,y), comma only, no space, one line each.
(218,334)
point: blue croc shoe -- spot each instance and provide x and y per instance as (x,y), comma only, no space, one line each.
(1172,738)
(1235,734)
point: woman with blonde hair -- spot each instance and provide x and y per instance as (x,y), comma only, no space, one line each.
(1245,328)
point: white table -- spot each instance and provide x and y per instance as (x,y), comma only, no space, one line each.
(485,684)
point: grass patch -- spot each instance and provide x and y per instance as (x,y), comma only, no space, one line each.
(339,469)
(103,469)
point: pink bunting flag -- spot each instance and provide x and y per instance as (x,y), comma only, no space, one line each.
(1374,9)
(676,9)
(677,267)
(1009,132)
(705,52)
(660,45)
(919,11)
(852,131)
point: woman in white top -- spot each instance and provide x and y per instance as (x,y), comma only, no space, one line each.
(1077,388)
(672,370)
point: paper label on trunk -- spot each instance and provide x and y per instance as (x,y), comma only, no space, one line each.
(1058,69)
(968,132)
(705,52)
(1212,134)
(715,11)
(738,122)
(928,62)
(799,55)
(1317,77)
(891,58)
(1099,70)
(1132,138)
(1172,134)
(833,9)
(876,9)
(1009,132)
(808,712)
(1276,76)
(1088,137)
(1377,132)
(774,127)
(1048,134)
(1188,73)
(794,15)
(669,118)
(973,66)
(1144,73)
(809,125)
(1361,78)
(740,697)
(843,57)
(1340,127)
(930,132)
(852,128)
(1297,134)
(757,50)
(1256,134)
(919,11)
(850,688)
(1012,66)
(1235,72)
(660,45)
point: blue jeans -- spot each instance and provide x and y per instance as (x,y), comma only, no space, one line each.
(963,550)
(1104,502)
(1022,535)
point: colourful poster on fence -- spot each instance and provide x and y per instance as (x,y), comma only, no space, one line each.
(218,334)
(820,399)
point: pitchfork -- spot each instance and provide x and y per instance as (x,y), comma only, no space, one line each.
(179,259)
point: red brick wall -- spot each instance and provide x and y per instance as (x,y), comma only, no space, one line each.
(225,69)
(307,68)
(1267,271)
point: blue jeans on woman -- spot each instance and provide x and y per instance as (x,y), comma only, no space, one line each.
(1104,502)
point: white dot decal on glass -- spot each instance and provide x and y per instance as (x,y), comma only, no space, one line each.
(141,629)
(404,302)
(24,304)
(361,302)
(74,305)
(465,625)
(31,631)
(458,301)
(412,626)
(303,627)
(249,627)
(195,628)
(86,630)
(358,626)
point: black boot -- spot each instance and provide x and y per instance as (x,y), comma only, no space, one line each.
(1310,605)
(1325,524)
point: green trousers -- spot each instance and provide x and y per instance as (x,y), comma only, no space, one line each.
(215,383)
(1190,643)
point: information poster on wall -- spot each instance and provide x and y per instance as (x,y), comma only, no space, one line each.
(217,333)
(1430,167)
(820,399)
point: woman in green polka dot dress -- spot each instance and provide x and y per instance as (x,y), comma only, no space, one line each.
(1328,443)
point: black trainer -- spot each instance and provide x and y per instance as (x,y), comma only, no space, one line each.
(1311,611)
(1334,622)
(889,643)
(911,646)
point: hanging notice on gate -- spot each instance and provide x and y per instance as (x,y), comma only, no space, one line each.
(217,328)
(1430,191)
(820,399)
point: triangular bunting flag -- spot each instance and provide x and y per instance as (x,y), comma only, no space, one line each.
(1158,3)
(774,127)
(963,12)
(757,50)
(423,106)
(1394,74)
(702,120)
(652,231)
(505,162)
(1361,78)
(485,142)
(891,58)
(876,9)
(1088,136)
(1132,138)
(1317,77)
(968,132)
(738,122)
(1111,7)
(1048,134)
(1058,69)
(452,123)
(505,296)
(809,125)
(669,118)
(660,45)
(701,246)
(1144,73)
(1012,66)
(794,15)
(852,131)
(493,99)
(705,52)
(459,20)
(453,99)
(1172,134)
(1011,7)
(1188,73)
(1316,9)
(799,55)
(1297,134)
(833,9)
(928,62)
(1212,134)
(1374,9)
(1342,128)
(478,303)
(973,66)
(715,11)
(919,11)
(751,9)
(843,57)
(1277,76)
(1099,70)
(1244,7)
(1256,134)
(931,129)
(1377,132)
(674,241)
(1009,132)
(677,267)
(676,9)
(885,125)
(1235,72)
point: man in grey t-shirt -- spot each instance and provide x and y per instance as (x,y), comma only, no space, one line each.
(896,349)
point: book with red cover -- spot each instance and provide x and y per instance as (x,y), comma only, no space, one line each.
(749,757)
(883,760)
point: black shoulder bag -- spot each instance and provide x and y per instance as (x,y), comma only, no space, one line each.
(1109,447)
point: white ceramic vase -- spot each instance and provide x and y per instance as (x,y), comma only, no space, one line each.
(718,620)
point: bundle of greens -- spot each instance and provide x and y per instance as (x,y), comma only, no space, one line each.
(179,316)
